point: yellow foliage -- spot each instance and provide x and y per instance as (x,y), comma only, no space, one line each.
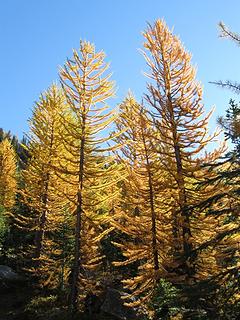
(8,182)
(85,166)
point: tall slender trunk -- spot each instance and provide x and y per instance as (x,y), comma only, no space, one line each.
(186,231)
(39,236)
(78,227)
(153,229)
(185,221)
(153,213)
(175,233)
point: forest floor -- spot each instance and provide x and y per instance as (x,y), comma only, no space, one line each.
(13,303)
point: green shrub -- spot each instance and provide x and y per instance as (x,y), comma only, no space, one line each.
(165,301)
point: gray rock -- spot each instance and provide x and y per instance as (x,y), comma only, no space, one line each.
(8,277)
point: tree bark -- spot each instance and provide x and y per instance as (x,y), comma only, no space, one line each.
(153,213)
(78,227)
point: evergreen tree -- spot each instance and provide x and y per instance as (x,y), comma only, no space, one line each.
(224,204)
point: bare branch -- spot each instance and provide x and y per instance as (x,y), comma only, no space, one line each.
(226,33)
(233,86)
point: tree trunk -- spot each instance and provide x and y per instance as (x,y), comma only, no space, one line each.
(42,221)
(153,214)
(185,221)
(78,227)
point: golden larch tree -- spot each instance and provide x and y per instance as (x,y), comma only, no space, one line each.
(175,101)
(140,209)
(40,183)
(85,163)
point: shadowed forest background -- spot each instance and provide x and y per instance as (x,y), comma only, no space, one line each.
(127,211)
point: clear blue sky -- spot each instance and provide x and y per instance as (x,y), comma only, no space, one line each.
(37,36)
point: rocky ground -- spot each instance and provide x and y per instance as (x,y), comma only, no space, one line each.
(13,302)
(20,300)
